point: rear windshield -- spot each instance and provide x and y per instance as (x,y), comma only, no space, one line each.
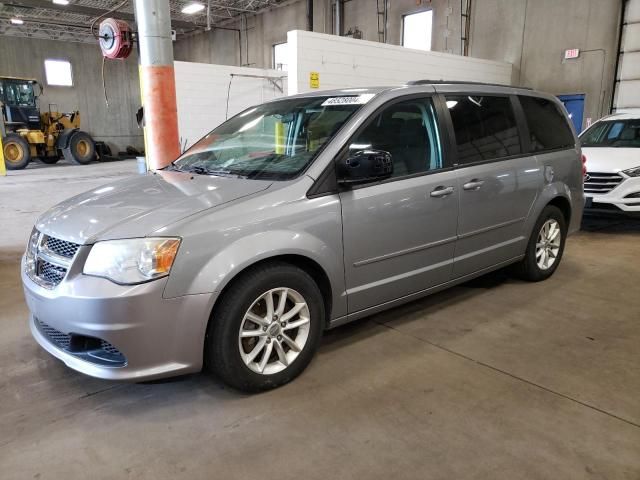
(275,141)
(613,133)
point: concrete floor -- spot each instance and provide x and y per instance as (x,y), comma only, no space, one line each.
(493,379)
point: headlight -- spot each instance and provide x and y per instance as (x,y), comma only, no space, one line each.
(633,172)
(132,261)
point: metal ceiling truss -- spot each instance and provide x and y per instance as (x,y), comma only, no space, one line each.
(46,20)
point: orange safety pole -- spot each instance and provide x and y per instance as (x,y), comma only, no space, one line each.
(157,82)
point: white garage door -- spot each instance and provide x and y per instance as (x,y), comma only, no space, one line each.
(627,90)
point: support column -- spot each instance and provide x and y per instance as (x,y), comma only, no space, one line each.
(157,82)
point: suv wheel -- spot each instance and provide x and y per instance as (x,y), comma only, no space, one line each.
(266,328)
(545,246)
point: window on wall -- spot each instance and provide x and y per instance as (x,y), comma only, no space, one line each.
(58,72)
(416,30)
(280,52)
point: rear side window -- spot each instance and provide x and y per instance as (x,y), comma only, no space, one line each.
(485,127)
(548,128)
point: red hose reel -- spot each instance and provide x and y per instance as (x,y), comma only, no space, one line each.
(116,38)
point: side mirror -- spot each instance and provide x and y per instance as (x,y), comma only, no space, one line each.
(365,166)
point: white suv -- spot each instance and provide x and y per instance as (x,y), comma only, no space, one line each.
(612,150)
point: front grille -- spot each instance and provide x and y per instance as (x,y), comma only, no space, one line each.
(596,182)
(94,350)
(50,273)
(49,259)
(61,247)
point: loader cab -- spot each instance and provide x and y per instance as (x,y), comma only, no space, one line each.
(18,97)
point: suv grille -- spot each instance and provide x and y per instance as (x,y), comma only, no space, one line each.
(601,182)
(49,259)
(61,247)
(94,350)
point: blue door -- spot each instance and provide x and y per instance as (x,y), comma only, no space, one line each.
(575,106)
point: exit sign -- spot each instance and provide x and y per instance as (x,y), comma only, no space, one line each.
(571,53)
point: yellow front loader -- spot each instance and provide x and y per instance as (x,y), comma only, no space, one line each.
(27,133)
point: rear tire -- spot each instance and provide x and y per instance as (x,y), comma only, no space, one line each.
(81,149)
(242,331)
(17,154)
(545,247)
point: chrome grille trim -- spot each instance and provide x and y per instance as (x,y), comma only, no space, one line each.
(597,182)
(49,259)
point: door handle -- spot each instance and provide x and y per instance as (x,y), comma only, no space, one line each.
(474,184)
(441,191)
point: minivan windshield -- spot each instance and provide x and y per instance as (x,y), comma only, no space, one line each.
(276,140)
(613,133)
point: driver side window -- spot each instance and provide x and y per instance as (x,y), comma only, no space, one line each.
(409,132)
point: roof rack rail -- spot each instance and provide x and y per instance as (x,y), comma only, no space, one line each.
(460,82)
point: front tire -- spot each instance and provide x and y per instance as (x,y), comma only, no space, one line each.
(545,247)
(17,154)
(266,328)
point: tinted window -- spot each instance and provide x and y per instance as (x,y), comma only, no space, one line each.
(485,127)
(407,130)
(548,127)
(613,133)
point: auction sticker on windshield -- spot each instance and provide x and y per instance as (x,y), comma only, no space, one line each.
(348,100)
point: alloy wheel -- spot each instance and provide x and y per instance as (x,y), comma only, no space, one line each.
(548,244)
(274,331)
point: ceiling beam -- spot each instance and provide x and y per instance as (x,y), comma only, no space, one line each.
(83,10)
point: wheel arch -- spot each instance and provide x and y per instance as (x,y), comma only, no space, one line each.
(307,264)
(563,204)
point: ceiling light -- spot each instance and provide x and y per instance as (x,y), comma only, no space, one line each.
(17,21)
(193,8)
(61,2)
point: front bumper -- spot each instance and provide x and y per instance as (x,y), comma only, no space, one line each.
(158,337)
(617,201)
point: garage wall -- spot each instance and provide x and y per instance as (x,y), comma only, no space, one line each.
(533,34)
(201,94)
(627,95)
(116,125)
(271,26)
(345,62)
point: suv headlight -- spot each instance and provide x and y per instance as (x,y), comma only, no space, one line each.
(132,261)
(633,172)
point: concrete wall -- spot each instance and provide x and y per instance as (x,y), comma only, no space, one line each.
(207,95)
(116,125)
(345,62)
(530,34)
(533,34)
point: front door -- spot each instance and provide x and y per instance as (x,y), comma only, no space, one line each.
(399,235)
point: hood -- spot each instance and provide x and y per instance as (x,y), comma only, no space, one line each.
(610,159)
(141,205)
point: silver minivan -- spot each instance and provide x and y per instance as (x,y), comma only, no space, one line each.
(299,215)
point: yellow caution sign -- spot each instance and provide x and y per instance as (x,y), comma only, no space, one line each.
(314,80)
(3,168)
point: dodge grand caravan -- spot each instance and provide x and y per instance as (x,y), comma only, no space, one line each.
(299,215)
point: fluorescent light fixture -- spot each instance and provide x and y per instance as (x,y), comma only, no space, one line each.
(17,21)
(193,8)
(61,2)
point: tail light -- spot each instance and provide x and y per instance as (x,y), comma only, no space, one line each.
(584,166)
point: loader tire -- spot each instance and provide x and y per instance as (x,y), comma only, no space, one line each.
(81,149)
(16,152)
